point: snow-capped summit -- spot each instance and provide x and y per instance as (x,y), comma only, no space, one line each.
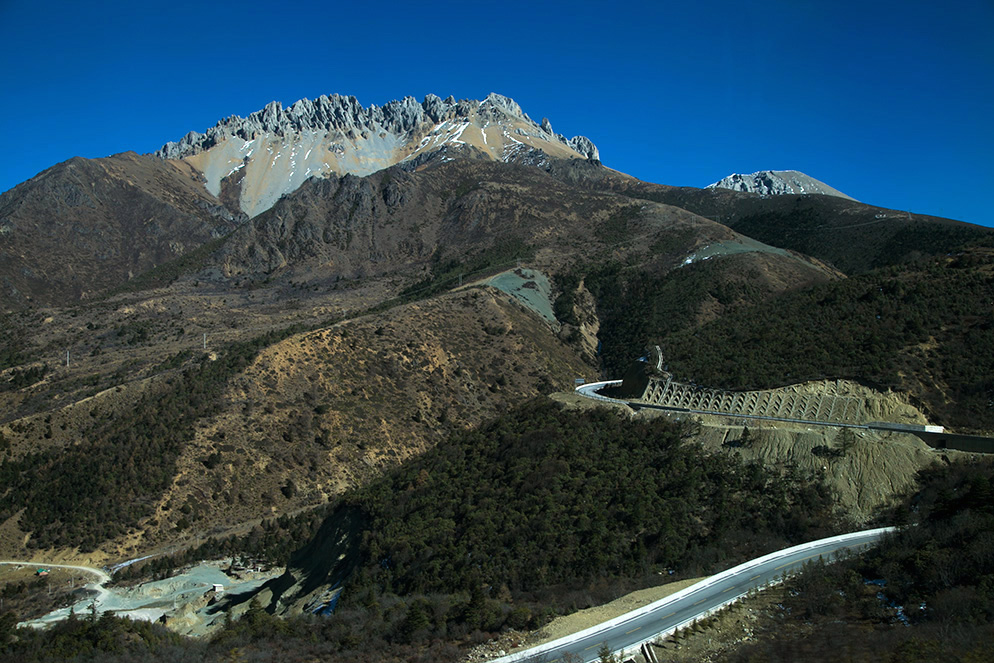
(777,182)
(256,159)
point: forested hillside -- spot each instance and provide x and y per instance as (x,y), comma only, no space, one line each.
(541,511)
(102,486)
(924,328)
(849,235)
(544,496)
(638,306)
(925,594)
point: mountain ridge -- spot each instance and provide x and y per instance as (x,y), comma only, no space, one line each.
(254,368)
(777,182)
(86,225)
(240,158)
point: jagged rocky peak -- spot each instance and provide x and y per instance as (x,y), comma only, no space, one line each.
(777,182)
(344,114)
(257,159)
(505,104)
(327,113)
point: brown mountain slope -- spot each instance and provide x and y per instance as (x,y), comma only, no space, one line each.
(325,410)
(209,448)
(396,222)
(851,236)
(86,225)
(328,410)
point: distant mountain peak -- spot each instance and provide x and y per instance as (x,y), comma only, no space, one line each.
(256,159)
(777,182)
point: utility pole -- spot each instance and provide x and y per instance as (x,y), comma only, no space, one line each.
(205,340)
(67,357)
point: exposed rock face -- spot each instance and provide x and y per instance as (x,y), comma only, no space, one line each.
(777,182)
(394,219)
(273,151)
(584,146)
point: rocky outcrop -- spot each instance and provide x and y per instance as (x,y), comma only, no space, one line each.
(251,162)
(777,182)
(584,146)
(344,114)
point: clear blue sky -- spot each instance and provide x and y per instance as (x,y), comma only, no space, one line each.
(889,102)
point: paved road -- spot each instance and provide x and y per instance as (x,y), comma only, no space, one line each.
(629,631)
(591,391)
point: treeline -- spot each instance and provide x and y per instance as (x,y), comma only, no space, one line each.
(14,349)
(924,594)
(23,377)
(860,244)
(852,237)
(88,638)
(907,327)
(273,541)
(257,636)
(95,490)
(445,273)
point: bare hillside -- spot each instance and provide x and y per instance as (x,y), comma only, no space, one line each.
(323,411)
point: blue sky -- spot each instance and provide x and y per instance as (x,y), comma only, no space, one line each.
(891,103)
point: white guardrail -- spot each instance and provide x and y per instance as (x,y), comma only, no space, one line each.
(870,535)
(590,390)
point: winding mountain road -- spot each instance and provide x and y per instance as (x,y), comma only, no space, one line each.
(663,617)
(631,630)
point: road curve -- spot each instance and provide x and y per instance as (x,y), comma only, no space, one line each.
(631,630)
(102,576)
(100,573)
(590,391)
